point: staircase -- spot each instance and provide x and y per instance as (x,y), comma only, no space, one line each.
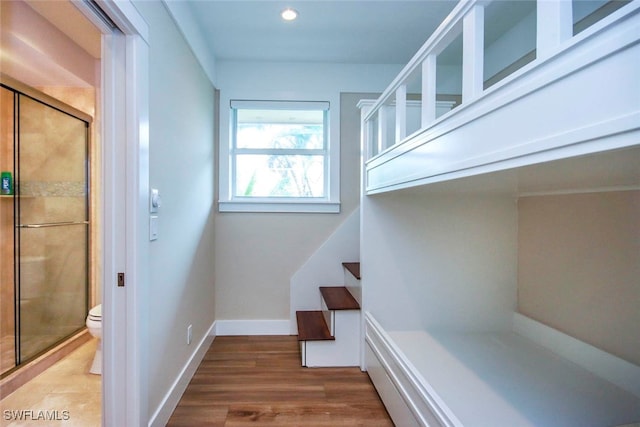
(330,336)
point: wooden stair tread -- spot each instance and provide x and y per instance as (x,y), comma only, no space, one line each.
(353,268)
(338,298)
(312,326)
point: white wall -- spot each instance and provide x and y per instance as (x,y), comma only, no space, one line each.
(257,253)
(324,268)
(436,261)
(183,16)
(181,289)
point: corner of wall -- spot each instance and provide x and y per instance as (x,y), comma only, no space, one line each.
(162,414)
(188,26)
(324,266)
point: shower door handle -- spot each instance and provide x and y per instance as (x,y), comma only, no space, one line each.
(52,224)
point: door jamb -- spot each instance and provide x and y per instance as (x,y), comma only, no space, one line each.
(125,106)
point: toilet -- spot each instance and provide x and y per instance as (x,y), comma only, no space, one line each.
(94,324)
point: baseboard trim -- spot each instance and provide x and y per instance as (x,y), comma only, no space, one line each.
(624,374)
(251,327)
(165,409)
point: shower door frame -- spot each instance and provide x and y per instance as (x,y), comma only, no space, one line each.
(125,136)
(20,90)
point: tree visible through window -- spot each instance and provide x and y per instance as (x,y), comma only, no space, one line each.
(279,150)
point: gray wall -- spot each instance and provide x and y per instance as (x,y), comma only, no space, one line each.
(181,288)
(579,267)
(257,253)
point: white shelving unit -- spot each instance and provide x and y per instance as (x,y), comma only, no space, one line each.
(446,281)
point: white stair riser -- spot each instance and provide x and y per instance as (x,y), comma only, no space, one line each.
(353,286)
(329,318)
(343,351)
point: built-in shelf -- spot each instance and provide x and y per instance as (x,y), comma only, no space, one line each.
(498,378)
(450,209)
(492,130)
(353,268)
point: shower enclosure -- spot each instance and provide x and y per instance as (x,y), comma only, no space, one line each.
(44,224)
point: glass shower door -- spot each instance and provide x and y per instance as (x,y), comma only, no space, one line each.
(52,223)
(7,291)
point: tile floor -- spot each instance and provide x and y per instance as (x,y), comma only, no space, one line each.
(64,395)
(7,353)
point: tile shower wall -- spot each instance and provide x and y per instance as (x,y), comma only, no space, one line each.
(22,21)
(7,323)
(87,100)
(53,260)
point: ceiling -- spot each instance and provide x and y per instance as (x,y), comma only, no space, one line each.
(347,31)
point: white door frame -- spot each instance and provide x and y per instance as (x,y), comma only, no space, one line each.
(125,142)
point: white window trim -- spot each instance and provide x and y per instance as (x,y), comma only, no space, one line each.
(274,206)
(328,204)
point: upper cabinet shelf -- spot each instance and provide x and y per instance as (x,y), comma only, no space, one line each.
(553,81)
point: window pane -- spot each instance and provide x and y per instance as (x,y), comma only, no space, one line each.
(284,129)
(260,175)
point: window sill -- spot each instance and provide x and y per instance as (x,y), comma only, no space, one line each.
(279,206)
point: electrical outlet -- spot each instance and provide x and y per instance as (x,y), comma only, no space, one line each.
(189,334)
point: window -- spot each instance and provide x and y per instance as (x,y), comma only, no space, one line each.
(279,157)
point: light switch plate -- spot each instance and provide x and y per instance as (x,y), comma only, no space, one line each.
(153,227)
(154,200)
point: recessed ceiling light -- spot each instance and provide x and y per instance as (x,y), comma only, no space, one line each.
(289,14)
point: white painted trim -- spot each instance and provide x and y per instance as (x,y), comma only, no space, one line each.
(451,27)
(344,349)
(91,15)
(275,207)
(251,327)
(125,15)
(113,325)
(125,175)
(137,207)
(330,203)
(601,42)
(279,105)
(421,399)
(617,35)
(386,389)
(580,191)
(473,53)
(554,25)
(428,114)
(401,113)
(448,30)
(605,365)
(604,136)
(168,405)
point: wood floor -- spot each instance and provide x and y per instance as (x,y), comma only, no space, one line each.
(258,381)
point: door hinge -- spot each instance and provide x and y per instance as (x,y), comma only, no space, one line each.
(120,279)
